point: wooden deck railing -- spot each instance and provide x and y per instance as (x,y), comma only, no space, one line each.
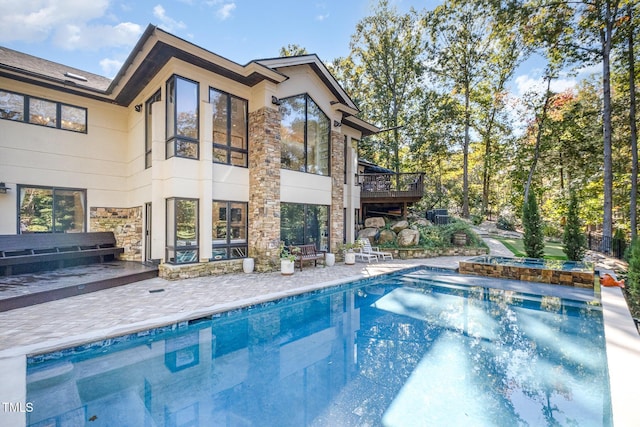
(389,185)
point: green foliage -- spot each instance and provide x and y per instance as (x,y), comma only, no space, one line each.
(506,223)
(633,274)
(533,233)
(574,240)
(441,236)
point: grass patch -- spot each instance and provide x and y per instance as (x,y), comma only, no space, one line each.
(552,250)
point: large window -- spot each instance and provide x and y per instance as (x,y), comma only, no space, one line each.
(230,129)
(182,231)
(148,134)
(51,210)
(37,111)
(304,224)
(305,133)
(182,118)
(229,230)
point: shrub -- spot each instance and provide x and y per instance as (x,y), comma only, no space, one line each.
(574,241)
(533,238)
(633,274)
(506,223)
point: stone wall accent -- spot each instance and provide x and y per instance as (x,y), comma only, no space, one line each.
(579,279)
(126,225)
(264,183)
(336,226)
(188,271)
(417,253)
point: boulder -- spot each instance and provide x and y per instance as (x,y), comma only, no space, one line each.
(399,226)
(408,237)
(374,222)
(386,236)
(368,233)
(423,222)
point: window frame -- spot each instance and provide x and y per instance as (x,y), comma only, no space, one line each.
(171,241)
(306,133)
(57,121)
(174,142)
(148,125)
(228,147)
(21,187)
(306,238)
(230,246)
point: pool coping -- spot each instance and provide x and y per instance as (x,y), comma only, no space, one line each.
(622,344)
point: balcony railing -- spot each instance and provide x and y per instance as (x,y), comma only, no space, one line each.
(390,185)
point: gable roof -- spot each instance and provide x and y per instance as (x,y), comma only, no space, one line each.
(153,50)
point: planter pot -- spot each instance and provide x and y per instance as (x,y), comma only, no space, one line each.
(349,258)
(286,267)
(329,259)
(247,265)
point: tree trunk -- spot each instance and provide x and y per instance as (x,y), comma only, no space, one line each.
(633,200)
(465,161)
(536,154)
(605,39)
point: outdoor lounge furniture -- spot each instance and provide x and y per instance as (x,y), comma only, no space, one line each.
(55,250)
(306,253)
(374,250)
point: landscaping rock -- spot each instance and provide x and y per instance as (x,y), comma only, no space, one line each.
(386,236)
(408,237)
(374,222)
(399,226)
(423,222)
(368,233)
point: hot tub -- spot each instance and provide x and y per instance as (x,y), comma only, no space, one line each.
(557,272)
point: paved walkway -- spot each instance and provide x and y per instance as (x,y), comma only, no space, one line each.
(155,302)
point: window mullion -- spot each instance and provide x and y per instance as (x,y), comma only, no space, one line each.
(306,127)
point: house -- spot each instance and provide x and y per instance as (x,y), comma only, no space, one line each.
(192,160)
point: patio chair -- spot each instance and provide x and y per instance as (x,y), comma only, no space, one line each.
(374,250)
(364,256)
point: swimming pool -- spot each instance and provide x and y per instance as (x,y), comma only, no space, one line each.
(418,348)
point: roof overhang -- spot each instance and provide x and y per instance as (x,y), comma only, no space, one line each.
(366,128)
(319,69)
(152,52)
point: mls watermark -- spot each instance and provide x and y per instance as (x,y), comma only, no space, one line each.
(23,407)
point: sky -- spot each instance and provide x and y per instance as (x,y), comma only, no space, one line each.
(98,35)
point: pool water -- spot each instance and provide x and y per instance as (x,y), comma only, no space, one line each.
(413,349)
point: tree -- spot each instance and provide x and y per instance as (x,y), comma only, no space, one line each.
(574,241)
(532,223)
(387,47)
(293,50)
(470,43)
(633,273)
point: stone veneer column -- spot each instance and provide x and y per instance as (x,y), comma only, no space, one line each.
(336,232)
(264,188)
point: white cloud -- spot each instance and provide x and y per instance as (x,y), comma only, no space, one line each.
(110,67)
(35,21)
(67,23)
(525,83)
(84,37)
(224,12)
(166,22)
(322,17)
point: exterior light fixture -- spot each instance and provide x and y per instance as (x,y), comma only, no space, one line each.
(275,100)
(336,124)
(4,188)
(138,108)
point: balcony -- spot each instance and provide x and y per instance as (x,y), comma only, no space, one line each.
(391,187)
